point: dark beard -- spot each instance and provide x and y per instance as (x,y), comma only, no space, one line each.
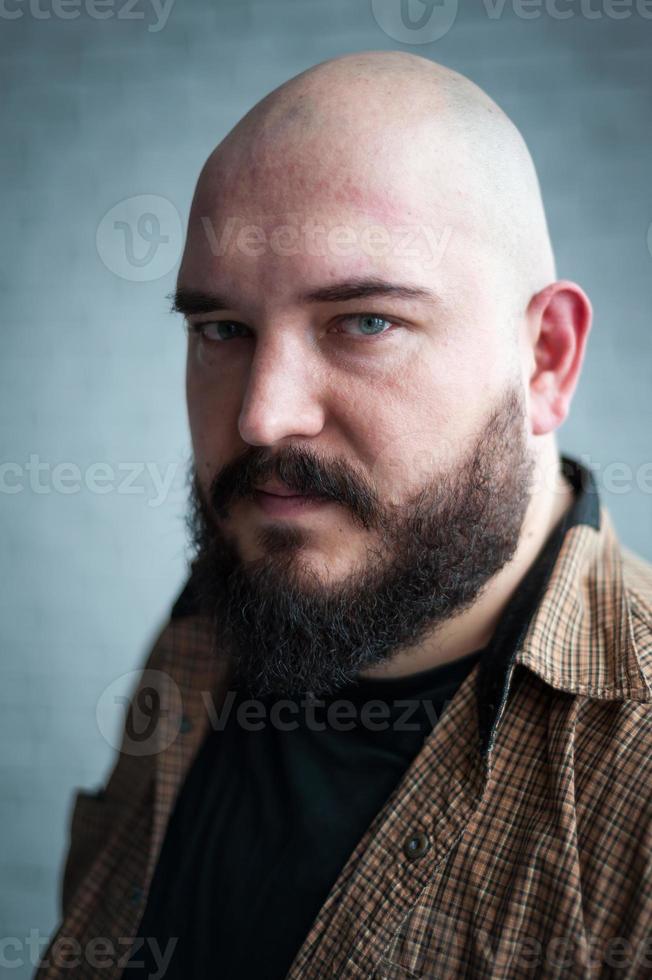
(286,632)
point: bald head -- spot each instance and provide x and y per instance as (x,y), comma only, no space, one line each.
(395,133)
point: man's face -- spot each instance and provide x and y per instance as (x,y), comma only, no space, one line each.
(402,411)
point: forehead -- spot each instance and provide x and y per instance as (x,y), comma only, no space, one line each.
(387,173)
(393,204)
(275,246)
(277,232)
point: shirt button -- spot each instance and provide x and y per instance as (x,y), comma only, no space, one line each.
(136,895)
(416,845)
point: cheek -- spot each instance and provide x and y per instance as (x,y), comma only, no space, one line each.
(411,458)
(212,416)
(195,404)
(424,427)
(408,436)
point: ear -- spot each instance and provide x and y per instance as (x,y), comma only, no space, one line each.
(558,322)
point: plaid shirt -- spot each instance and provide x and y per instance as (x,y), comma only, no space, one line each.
(517,844)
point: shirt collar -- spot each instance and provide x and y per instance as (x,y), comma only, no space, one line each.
(577,632)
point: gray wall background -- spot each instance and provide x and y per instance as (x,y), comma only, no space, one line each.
(99,111)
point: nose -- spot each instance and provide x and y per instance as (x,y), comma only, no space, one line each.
(283,397)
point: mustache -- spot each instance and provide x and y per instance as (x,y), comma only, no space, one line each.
(299,470)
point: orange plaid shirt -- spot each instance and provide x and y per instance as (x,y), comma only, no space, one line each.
(517,844)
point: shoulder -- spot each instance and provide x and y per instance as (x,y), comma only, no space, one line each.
(637,576)
(637,580)
(613,735)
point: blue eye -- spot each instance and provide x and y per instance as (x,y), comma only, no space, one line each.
(217,330)
(370,324)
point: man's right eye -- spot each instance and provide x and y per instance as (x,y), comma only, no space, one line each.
(217,330)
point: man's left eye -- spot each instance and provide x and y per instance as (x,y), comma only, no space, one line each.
(369,324)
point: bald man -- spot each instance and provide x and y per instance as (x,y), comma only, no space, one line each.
(398,723)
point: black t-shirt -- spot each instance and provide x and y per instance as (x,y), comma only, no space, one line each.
(273,805)
(278,797)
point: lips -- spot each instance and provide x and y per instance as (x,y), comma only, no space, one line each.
(277,490)
(286,504)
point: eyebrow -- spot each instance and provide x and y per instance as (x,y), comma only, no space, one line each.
(196,301)
(361,288)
